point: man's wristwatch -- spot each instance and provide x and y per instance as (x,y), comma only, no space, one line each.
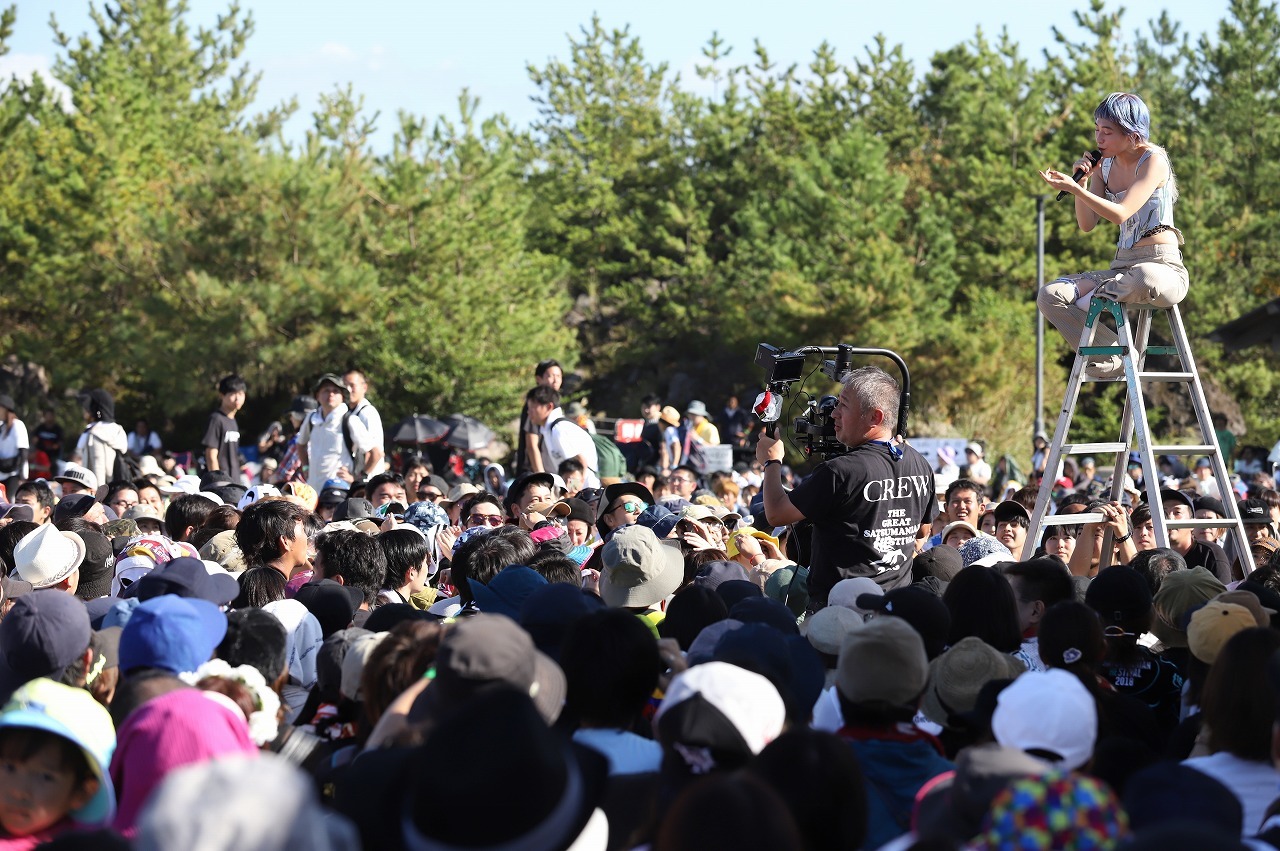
(1126,536)
(766,464)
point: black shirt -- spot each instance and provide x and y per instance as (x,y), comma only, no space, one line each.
(223,435)
(1211,558)
(49,440)
(866,509)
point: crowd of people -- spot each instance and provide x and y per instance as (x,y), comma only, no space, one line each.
(349,650)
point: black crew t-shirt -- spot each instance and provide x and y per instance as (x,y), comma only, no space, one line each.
(866,508)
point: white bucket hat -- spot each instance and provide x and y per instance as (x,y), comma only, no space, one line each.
(47,556)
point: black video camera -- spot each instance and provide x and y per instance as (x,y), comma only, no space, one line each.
(814,429)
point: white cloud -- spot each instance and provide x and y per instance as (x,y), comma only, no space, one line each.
(336,51)
(25,66)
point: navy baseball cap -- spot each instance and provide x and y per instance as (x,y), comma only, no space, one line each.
(43,633)
(188,577)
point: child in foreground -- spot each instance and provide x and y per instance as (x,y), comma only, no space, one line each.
(55,745)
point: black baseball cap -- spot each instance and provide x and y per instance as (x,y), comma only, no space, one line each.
(1119,594)
(1211,503)
(1254,512)
(923,610)
(1167,494)
(1010,509)
(330,378)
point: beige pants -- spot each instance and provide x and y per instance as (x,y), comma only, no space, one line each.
(1151,274)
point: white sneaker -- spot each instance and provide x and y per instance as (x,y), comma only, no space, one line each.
(1111,368)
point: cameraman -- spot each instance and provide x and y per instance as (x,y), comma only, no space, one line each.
(869,506)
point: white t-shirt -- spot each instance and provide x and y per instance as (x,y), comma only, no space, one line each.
(568,440)
(326,447)
(13,440)
(372,420)
(140,445)
(1254,784)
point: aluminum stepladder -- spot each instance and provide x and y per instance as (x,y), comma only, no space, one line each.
(1131,346)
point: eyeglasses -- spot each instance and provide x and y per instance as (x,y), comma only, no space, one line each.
(632,507)
(683,479)
(431,495)
(484,519)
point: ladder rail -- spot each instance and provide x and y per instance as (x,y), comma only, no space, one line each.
(1204,418)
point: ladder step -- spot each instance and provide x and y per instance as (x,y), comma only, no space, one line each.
(1103,350)
(1089,379)
(1093,448)
(1077,519)
(1220,523)
(1166,376)
(1162,350)
(1185,449)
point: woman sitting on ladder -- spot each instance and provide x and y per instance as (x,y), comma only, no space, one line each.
(1133,186)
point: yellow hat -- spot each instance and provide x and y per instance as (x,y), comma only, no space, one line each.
(755,533)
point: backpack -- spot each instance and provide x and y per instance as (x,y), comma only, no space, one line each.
(609,458)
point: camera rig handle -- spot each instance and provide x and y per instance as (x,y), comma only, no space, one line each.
(785,368)
(844,362)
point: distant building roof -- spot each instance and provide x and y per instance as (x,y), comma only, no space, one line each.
(1257,327)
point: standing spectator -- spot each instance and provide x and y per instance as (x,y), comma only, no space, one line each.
(1039,453)
(14,447)
(735,423)
(103,438)
(979,469)
(1206,484)
(222,436)
(357,395)
(529,458)
(561,440)
(669,419)
(49,438)
(700,427)
(578,414)
(1088,469)
(332,442)
(142,440)
(651,449)
(290,464)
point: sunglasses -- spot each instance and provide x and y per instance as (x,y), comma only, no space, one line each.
(632,507)
(484,519)
(431,495)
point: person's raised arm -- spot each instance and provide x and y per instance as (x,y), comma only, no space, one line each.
(778,508)
(1151,175)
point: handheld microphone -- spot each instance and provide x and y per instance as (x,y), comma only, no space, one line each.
(1094,157)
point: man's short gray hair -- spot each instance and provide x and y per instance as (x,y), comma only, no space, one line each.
(877,390)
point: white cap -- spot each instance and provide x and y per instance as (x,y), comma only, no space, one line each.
(184,485)
(845,593)
(1048,711)
(256,493)
(747,700)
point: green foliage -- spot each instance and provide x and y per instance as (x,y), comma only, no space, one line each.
(155,233)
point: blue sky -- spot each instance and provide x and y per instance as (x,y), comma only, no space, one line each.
(418,56)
